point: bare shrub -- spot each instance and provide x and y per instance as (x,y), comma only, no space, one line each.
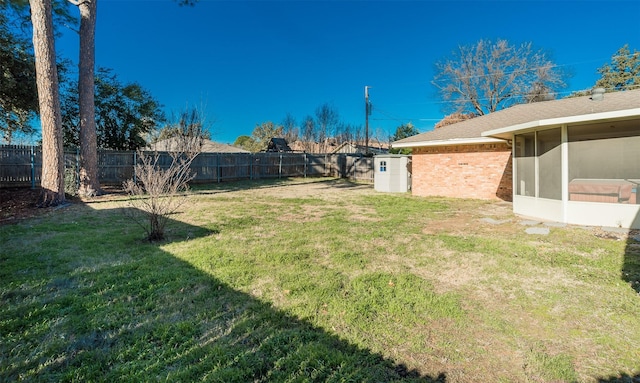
(162,179)
(158,192)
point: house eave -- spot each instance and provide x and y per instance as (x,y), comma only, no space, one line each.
(507,132)
(455,141)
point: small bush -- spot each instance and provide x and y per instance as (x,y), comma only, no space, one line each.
(159,191)
(160,185)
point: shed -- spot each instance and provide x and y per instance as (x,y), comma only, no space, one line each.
(392,173)
(278,145)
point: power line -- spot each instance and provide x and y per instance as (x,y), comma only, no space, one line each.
(391,117)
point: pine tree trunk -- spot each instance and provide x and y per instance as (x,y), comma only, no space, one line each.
(52,180)
(89,183)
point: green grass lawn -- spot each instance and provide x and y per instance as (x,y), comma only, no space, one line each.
(314,280)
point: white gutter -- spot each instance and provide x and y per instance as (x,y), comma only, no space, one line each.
(563,120)
(454,141)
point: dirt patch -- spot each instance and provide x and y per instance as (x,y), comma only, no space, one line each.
(470,271)
(308,213)
(17,204)
(474,222)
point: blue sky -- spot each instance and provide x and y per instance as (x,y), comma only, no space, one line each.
(248,62)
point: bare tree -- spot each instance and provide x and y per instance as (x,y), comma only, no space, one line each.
(308,133)
(327,119)
(344,133)
(290,128)
(359,133)
(158,190)
(49,104)
(162,179)
(487,76)
(349,133)
(187,130)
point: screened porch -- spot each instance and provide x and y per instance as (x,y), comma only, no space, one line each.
(584,173)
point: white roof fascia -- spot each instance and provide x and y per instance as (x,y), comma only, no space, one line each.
(563,120)
(454,141)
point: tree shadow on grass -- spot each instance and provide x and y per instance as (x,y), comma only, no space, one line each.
(116,194)
(631,274)
(347,184)
(326,182)
(631,264)
(622,378)
(108,306)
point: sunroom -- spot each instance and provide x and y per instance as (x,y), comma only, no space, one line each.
(582,170)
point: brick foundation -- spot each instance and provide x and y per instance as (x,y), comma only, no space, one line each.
(482,171)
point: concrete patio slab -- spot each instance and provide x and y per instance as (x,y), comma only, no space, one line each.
(538,230)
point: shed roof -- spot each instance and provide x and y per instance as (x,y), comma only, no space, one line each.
(278,144)
(501,124)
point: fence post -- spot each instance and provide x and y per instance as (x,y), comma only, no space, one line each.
(326,159)
(76,173)
(135,161)
(33,168)
(218,168)
(355,168)
(332,165)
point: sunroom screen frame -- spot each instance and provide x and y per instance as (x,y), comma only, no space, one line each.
(564,210)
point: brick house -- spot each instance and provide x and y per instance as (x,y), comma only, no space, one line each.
(572,160)
(464,170)
(457,161)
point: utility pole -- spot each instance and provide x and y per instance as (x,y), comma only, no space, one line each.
(367,112)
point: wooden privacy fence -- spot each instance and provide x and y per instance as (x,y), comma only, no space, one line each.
(21,166)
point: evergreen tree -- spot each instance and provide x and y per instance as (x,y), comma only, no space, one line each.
(623,73)
(403,131)
(52,180)
(18,93)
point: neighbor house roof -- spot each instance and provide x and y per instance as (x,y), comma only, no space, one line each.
(352,147)
(208,146)
(501,124)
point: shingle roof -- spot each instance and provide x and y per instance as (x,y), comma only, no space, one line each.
(208,146)
(525,113)
(354,147)
(278,144)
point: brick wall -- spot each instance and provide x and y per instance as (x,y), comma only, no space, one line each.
(463,171)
